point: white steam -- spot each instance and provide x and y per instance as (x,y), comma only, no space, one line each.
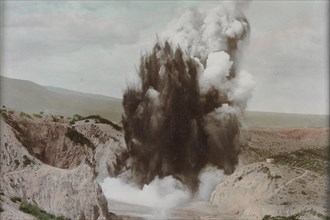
(215,76)
(217,70)
(241,88)
(205,34)
(162,194)
(209,178)
(201,32)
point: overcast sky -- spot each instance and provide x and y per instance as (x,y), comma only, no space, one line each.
(95,47)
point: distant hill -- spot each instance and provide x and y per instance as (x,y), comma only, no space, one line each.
(76,93)
(285,120)
(23,95)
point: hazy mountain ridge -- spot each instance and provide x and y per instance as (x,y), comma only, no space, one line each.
(285,120)
(76,93)
(24,95)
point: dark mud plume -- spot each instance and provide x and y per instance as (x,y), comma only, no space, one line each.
(185,113)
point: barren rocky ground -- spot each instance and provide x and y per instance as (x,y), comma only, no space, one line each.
(54,164)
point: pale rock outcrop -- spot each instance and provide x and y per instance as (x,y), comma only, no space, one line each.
(71,193)
(14,156)
(47,140)
(261,189)
(109,144)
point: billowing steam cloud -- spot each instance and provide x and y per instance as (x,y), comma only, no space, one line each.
(223,28)
(161,195)
(186,112)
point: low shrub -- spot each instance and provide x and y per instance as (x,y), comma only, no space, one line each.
(296,216)
(23,114)
(291,217)
(15,199)
(26,161)
(37,115)
(78,138)
(55,118)
(38,213)
(99,119)
(77,117)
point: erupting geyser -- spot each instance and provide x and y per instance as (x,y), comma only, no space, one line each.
(186,111)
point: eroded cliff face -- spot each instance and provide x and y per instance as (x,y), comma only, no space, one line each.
(46,140)
(55,164)
(109,144)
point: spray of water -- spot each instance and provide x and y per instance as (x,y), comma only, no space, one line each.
(162,195)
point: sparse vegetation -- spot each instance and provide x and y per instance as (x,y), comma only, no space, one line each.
(96,118)
(276,177)
(2,111)
(264,169)
(23,114)
(76,117)
(99,119)
(37,115)
(15,199)
(269,175)
(55,118)
(291,217)
(38,213)
(5,115)
(27,161)
(1,194)
(291,192)
(308,159)
(78,138)
(296,216)
(16,162)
